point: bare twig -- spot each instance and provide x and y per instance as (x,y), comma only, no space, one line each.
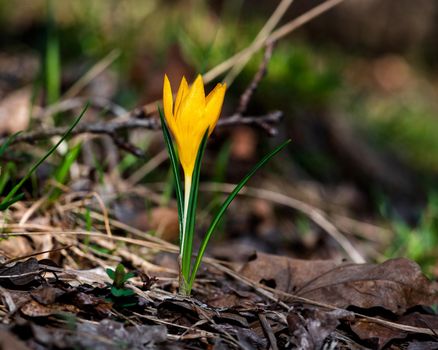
(252,87)
(143,243)
(268,330)
(127,146)
(303,19)
(275,36)
(236,119)
(112,127)
(107,128)
(259,40)
(261,72)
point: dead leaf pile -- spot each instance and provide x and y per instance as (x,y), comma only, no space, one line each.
(369,306)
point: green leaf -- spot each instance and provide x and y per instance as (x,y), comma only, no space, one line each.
(6,144)
(64,169)
(6,173)
(175,169)
(224,207)
(121,292)
(111,273)
(5,204)
(14,190)
(119,276)
(88,222)
(191,211)
(128,276)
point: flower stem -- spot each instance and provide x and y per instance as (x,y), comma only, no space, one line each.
(187,188)
(185,251)
(184,288)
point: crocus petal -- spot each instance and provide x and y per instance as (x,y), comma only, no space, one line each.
(213,106)
(167,100)
(194,100)
(182,93)
(214,91)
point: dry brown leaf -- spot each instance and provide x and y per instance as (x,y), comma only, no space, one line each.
(311,327)
(284,273)
(395,285)
(35,309)
(21,273)
(229,298)
(376,334)
(46,295)
(13,247)
(380,335)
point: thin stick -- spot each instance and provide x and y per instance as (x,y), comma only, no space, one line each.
(112,127)
(268,331)
(143,243)
(275,36)
(261,72)
(314,214)
(259,39)
(301,20)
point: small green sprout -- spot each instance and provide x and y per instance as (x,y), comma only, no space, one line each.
(119,277)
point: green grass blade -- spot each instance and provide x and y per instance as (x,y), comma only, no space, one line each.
(52,59)
(6,174)
(191,211)
(6,144)
(88,220)
(38,163)
(6,204)
(225,205)
(175,169)
(64,169)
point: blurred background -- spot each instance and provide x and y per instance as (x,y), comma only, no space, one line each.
(358,88)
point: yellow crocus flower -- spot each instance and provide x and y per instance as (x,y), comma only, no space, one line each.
(190,116)
(188,119)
